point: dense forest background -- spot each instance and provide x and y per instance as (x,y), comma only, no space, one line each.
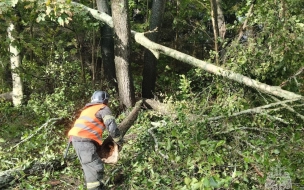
(223,85)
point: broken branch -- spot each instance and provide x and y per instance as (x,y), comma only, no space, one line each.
(33,134)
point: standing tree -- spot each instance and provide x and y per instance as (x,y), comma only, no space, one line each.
(15,59)
(215,28)
(122,52)
(107,45)
(220,19)
(150,61)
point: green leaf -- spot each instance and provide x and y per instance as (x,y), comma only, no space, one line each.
(276,151)
(60,21)
(206,182)
(187,180)
(213,182)
(220,143)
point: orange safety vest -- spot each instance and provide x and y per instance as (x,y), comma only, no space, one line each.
(87,125)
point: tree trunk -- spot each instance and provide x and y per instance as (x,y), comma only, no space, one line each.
(274,90)
(15,59)
(83,73)
(162,108)
(220,19)
(215,28)
(107,45)
(122,52)
(126,124)
(150,61)
(93,59)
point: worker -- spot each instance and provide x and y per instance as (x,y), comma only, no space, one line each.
(86,137)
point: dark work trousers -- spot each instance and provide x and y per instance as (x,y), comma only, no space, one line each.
(90,161)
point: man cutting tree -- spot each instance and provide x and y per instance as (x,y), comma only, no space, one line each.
(86,137)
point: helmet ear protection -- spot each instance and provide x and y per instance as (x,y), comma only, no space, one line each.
(100,97)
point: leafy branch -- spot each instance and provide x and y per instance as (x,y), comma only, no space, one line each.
(52,121)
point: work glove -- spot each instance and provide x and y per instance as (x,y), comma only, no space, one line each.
(119,141)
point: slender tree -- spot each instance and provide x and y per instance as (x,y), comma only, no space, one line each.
(150,61)
(15,59)
(215,27)
(122,52)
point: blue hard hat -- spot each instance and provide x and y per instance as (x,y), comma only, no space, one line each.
(100,97)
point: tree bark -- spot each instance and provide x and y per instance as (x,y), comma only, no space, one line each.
(150,61)
(126,124)
(220,19)
(156,49)
(107,45)
(215,28)
(164,109)
(122,52)
(93,59)
(15,59)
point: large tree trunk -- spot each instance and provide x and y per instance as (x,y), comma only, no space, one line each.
(122,52)
(15,59)
(150,61)
(107,45)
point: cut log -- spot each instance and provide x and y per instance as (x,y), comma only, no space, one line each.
(108,151)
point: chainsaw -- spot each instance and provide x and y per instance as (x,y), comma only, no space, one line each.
(108,151)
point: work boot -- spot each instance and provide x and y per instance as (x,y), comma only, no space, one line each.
(100,187)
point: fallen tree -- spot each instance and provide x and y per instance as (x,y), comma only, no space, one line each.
(158,49)
(126,124)
(167,110)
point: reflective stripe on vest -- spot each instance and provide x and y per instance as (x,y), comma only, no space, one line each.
(87,125)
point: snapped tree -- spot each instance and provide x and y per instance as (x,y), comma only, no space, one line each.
(158,49)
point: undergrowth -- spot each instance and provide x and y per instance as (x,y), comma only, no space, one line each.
(207,143)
